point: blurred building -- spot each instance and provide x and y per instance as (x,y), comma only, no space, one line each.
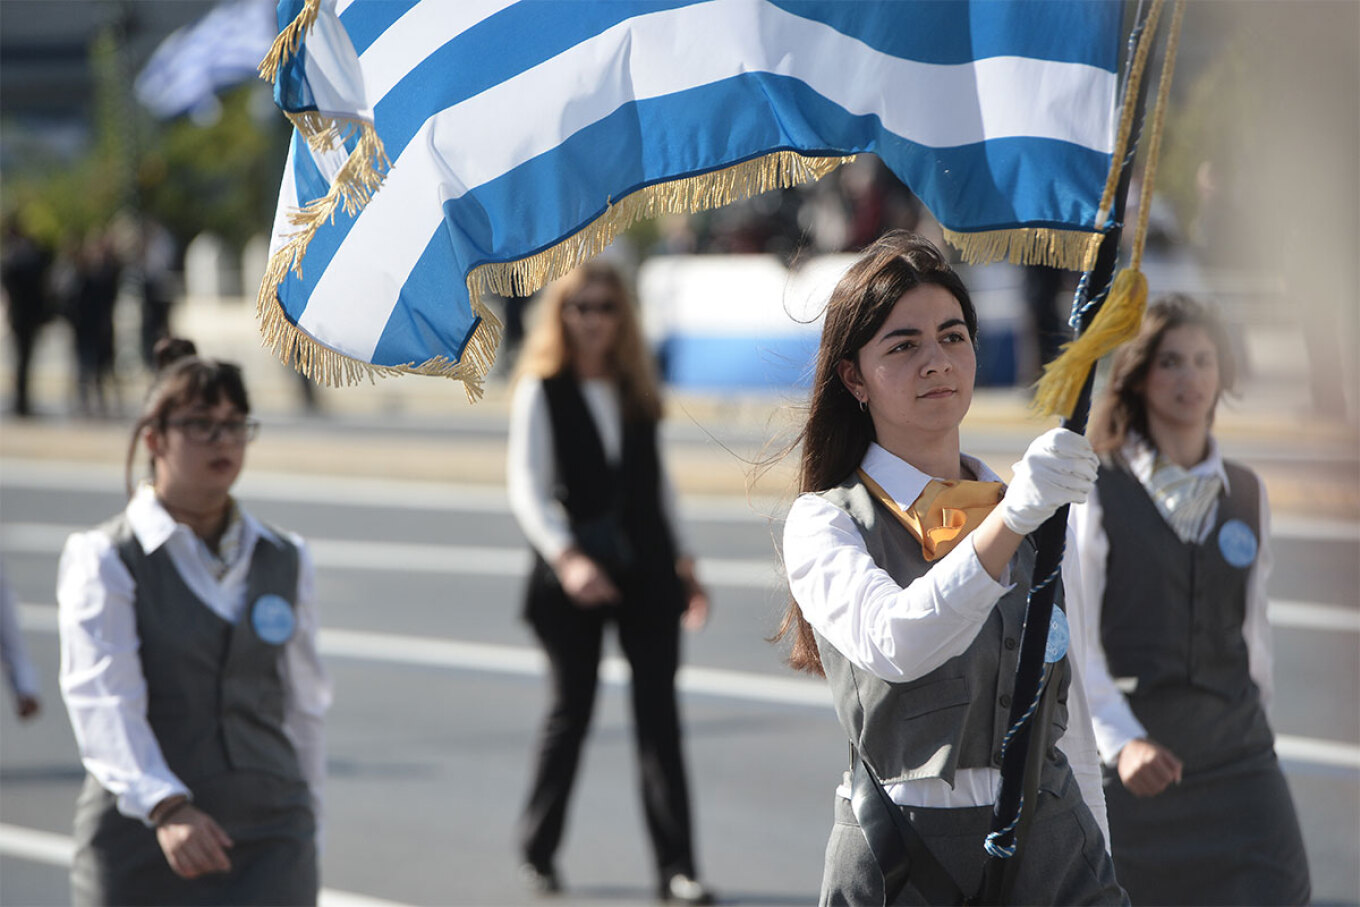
(46,82)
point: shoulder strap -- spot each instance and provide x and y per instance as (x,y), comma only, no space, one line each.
(899,850)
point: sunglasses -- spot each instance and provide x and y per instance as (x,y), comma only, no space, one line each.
(207,431)
(592,307)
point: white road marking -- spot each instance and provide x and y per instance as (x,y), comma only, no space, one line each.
(485,560)
(58,850)
(405,557)
(468,498)
(742,685)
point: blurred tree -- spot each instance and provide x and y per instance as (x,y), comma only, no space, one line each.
(221,176)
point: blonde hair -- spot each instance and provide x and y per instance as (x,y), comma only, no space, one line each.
(547,352)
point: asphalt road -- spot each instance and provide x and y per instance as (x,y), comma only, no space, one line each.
(439,690)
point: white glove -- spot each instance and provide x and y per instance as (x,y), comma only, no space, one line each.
(1058,468)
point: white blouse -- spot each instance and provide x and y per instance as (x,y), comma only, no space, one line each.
(900,634)
(1115,724)
(531,468)
(101,671)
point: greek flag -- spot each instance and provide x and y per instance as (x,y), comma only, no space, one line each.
(448,149)
(222,49)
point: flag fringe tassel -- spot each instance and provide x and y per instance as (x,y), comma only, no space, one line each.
(355,182)
(361,176)
(1070,249)
(286,44)
(777,170)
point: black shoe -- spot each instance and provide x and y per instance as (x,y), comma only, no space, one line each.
(540,879)
(686,890)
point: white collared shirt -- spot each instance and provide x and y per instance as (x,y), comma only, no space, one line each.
(101,671)
(1115,723)
(901,634)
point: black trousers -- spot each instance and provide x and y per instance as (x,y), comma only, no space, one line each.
(572,638)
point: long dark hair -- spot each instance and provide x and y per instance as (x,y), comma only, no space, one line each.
(838,433)
(1122,406)
(183,378)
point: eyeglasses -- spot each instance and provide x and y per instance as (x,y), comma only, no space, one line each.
(592,307)
(208,431)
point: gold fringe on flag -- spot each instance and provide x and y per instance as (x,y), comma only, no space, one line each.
(1026,246)
(354,185)
(286,44)
(351,189)
(1121,315)
(777,170)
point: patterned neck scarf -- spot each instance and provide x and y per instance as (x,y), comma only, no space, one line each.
(944,512)
(1184,499)
(228,547)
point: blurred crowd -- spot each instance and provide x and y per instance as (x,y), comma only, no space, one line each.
(80,282)
(136,258)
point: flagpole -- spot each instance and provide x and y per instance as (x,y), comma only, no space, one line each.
(1023,755)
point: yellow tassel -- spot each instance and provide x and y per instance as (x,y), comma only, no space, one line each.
(1117,321)
(1121,316)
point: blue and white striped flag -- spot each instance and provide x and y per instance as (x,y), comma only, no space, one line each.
(222,49)
(522,136)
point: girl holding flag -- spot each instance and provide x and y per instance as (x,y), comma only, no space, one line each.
(908,563)
(1175,552)
(190,670)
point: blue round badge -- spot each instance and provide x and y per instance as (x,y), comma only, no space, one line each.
(1238,543)
(1058,637)
(273,620)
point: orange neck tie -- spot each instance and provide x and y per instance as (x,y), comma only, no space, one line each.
(944,513)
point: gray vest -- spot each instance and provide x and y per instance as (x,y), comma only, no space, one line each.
(214,691)
(1172,618)
(955,716)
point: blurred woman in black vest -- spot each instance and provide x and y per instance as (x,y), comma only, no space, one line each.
(589,489)
(190,670)
(1175,554)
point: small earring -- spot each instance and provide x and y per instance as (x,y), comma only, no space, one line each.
(863,406)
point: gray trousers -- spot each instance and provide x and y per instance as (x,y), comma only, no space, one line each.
(1065,861)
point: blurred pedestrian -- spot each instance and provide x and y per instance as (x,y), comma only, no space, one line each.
(1175,554)
(98,271)
(156,262)
(589,489)
(908,562)
(19,671)
(23,272)
(190,670)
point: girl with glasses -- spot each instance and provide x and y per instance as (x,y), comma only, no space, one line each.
(190,670)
